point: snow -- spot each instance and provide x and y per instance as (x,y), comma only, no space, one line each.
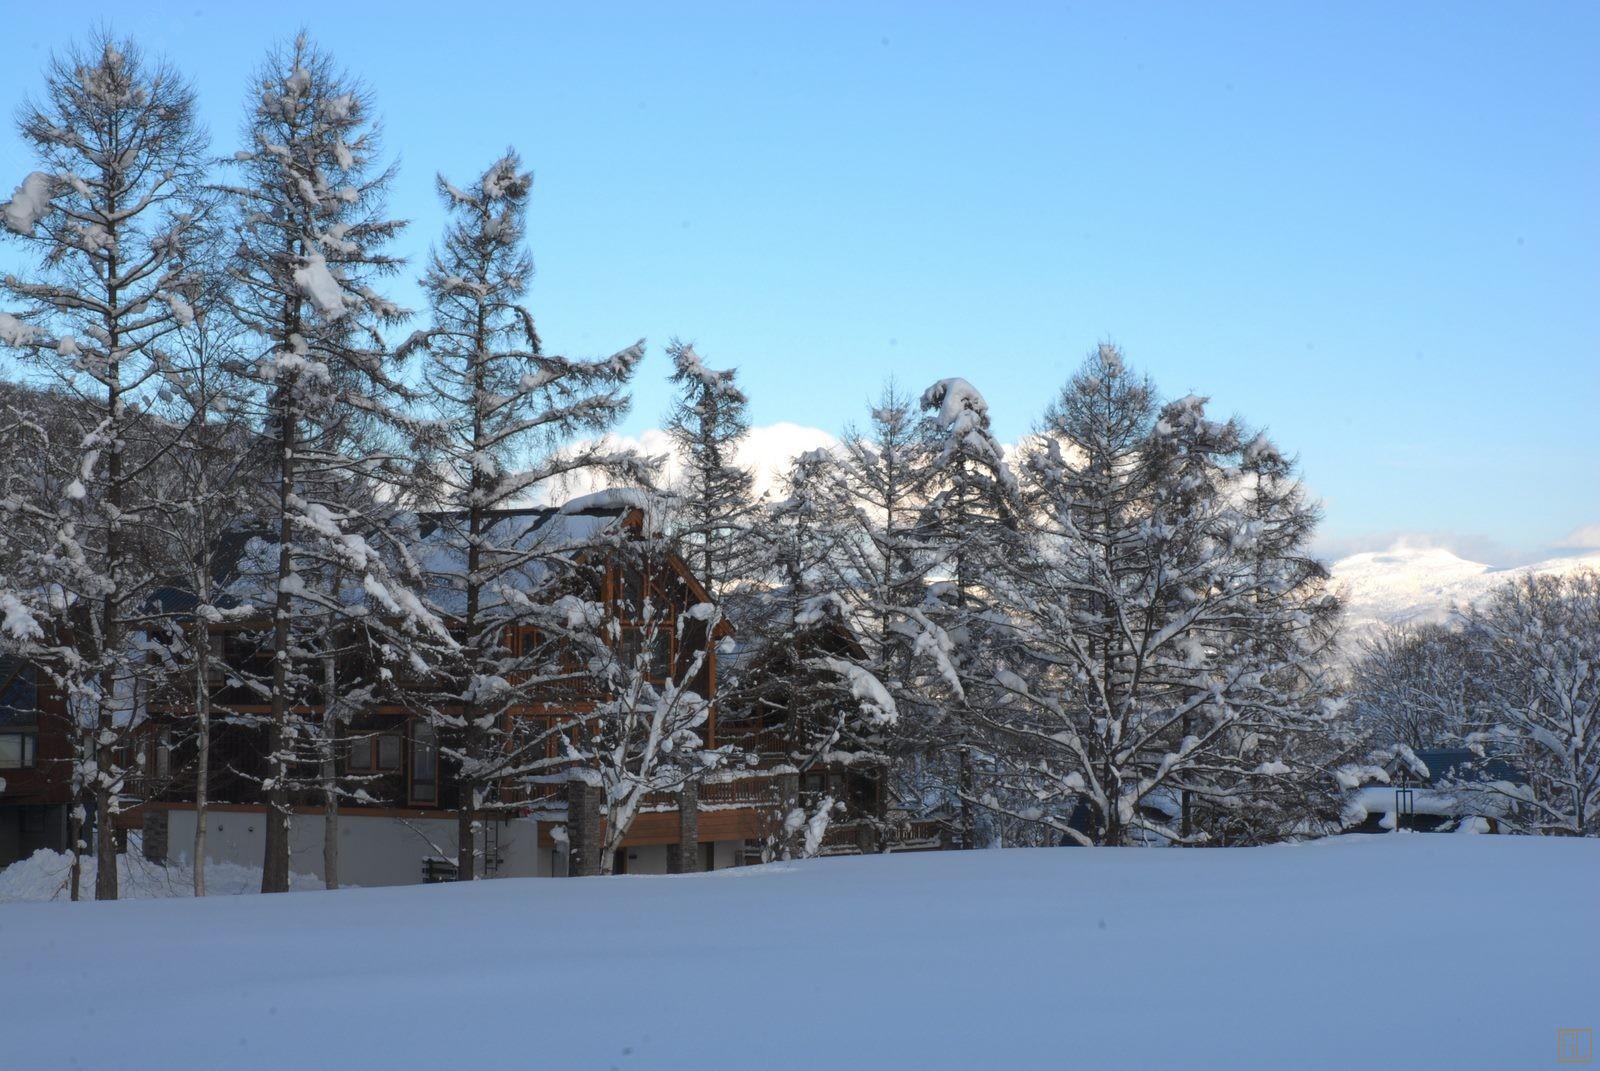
(875,699)
(317,284)
(954,398)
(689,366)
(1408,950)
(442,554)
(1382,800)
(16,621)
(611,499)
(45,874)
(29,203)
(1418,585)
(13,332)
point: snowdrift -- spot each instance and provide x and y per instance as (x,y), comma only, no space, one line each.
(1410,950)
(45,874)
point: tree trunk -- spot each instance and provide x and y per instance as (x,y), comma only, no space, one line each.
(202,771)
(275,854)
(105,874)
(467,808)
(75,829)
(330,772)
(969,823)
(472,745)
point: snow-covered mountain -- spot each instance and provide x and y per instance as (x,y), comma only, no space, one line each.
(1422,584)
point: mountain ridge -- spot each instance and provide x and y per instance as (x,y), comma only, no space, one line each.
(1420,585)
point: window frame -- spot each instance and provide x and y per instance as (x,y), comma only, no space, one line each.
(418,749)
(27,750)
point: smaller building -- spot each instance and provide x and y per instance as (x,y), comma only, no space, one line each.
(1432,791)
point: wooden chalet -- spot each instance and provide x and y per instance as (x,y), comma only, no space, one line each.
(35,776)
(404,829)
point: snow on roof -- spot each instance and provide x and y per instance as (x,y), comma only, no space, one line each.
(1382,800)
(534,537)
(612,498)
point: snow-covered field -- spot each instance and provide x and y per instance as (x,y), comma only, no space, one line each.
(1416,951)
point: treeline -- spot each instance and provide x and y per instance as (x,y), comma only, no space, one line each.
(1113,634)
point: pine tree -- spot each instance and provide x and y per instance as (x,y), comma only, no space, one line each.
(713,496)
(1160,643)
(809,681)
(206,476)
(883,563)
(311,247)
(969,519)
(496,395)
(110,217)
(884,553)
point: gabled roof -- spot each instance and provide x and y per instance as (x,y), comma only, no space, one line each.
(1461,766)
(532,536)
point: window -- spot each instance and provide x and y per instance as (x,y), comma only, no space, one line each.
(19,698)
(388,751)
(375,752)
(164,755)
(16,750)
(424,763)
(216,659)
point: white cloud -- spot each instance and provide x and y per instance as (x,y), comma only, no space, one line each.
(1585,538)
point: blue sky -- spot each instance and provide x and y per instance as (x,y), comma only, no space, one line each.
(1373,229)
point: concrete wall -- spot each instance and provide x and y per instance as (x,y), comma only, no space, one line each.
(372,851)
(652,858)
(390,851)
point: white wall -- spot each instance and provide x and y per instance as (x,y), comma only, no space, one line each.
(652,858)
(372,850)
(390,851)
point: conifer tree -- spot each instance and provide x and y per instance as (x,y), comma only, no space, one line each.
(310,200)
(207,477)
(713,496)
(1158,642)
(810,681)
(110,217)
(969,517)
(507,414)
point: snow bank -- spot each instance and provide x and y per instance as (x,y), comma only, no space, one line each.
(1410,950)
(45,875)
